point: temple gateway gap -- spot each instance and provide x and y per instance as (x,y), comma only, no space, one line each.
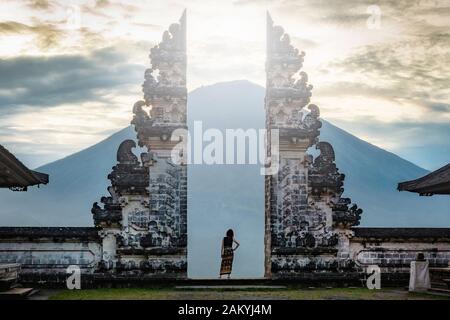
(140,228)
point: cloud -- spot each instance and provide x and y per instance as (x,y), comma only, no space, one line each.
(49,133)
(102,3)
(100,7)
(39,4)
(62,79)
(303,43)
(440,107)
(417,70)
(354,13)
(48,35)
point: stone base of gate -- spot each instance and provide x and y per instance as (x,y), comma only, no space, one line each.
(305,280)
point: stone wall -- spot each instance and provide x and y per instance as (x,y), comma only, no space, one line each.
(47,252)
(393,249)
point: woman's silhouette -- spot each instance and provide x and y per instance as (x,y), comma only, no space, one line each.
(228,253)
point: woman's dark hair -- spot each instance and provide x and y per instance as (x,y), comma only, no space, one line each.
(230,233)
(420,257)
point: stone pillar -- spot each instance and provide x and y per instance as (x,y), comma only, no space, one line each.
(165,94)
(303,198)
(148,203)
(109,247)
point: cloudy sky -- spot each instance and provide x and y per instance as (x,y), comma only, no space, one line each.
(70,71)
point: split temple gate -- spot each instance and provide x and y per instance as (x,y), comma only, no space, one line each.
(307,221)
(141,226)
(144,220)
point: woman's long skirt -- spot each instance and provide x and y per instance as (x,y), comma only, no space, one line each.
(227,261)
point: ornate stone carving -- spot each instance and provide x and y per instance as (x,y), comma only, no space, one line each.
(146,212)
(165,93)
(324,176)
(325,179)
(304,207)
(287,91)
(346,215)
(128,177)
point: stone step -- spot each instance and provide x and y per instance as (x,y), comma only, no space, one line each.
(8,279)
(17,293)
(440,291)
(440,284)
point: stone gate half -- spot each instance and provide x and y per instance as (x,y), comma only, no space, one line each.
(307,221)
(143,222)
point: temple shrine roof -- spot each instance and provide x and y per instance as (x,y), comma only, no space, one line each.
(15,175)
(436,182)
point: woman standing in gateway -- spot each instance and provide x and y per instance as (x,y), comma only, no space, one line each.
(228,253)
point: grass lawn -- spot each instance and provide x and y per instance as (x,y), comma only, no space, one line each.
(236,294)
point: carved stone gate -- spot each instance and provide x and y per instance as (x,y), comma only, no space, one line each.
(142,222)
(308,223)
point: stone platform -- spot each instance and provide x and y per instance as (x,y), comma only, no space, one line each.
(329,280)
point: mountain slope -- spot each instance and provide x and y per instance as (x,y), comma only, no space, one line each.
(228,196)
